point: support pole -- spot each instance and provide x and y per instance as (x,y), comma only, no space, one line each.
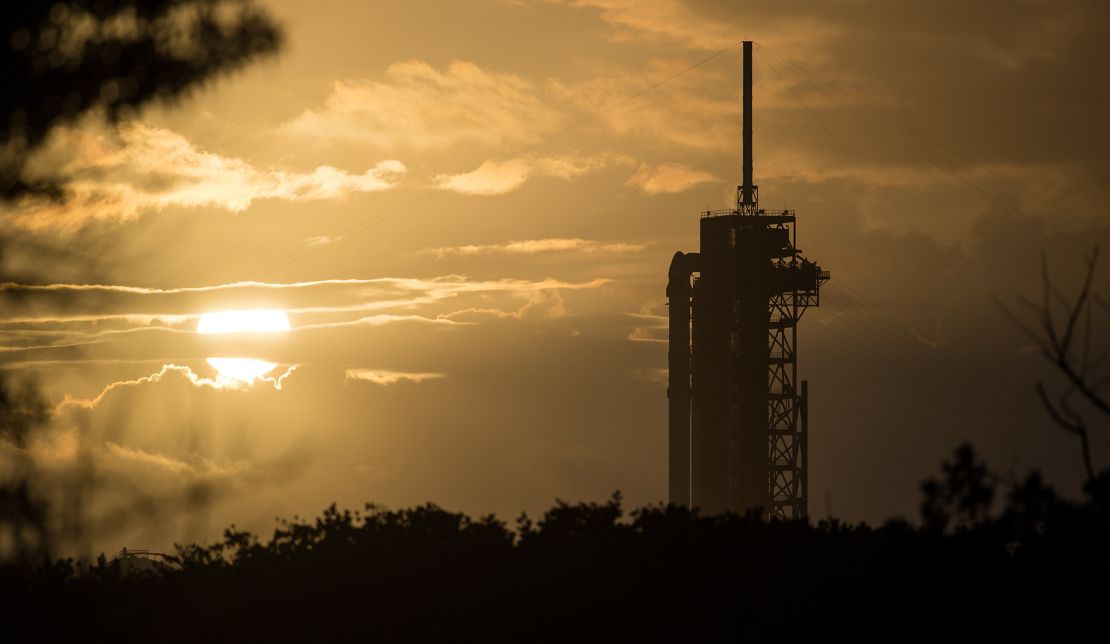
(803,473)
(678,365)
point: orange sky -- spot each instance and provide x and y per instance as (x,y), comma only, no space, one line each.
(467,211)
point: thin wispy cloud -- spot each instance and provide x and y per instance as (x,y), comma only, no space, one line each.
(70,322)
(445,281)
(386,377)
(21,340)
(649,327)
(319,241)
(381,319)
(173,371)
(41,303)
(536,246)
(541,305)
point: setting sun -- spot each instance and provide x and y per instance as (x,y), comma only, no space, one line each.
(253,321)
(242,370)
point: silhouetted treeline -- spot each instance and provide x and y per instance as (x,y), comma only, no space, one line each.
(1034,568)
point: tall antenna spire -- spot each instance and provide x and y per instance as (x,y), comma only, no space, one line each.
(748,194)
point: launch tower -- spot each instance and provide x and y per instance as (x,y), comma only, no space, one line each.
(738,417)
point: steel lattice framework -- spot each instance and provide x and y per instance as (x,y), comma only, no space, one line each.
(787,421)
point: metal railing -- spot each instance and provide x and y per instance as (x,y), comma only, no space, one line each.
(762,212)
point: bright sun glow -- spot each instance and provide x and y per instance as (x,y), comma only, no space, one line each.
(243,370)
(255,321)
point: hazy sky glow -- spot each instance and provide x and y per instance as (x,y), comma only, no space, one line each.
(459,216)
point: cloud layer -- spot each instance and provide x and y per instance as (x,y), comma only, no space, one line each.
(500,177)
(668,178)
(114,175)
(416,106)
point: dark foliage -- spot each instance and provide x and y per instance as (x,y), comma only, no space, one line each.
(964,495)
(61,60)
(1067,335)
(586,572)
(24,529)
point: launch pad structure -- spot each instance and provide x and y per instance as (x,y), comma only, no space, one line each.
(738,421)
